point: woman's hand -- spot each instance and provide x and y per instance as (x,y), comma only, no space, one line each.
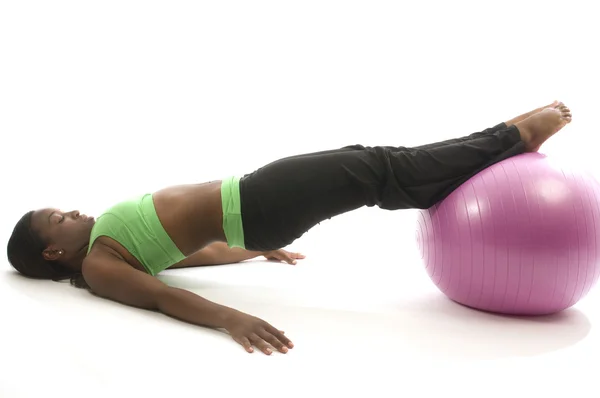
(250,331)
(283,255)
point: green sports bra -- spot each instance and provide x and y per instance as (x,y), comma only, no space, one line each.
(136,226)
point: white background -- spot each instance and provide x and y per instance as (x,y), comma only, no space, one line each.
(103,100)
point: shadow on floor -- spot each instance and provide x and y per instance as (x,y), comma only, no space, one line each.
(429,326)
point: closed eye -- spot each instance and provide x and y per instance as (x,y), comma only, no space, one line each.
(55,213)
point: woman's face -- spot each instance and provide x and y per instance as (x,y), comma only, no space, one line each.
(66,233)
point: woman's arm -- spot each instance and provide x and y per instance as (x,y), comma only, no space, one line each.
(114,279)
(219,253)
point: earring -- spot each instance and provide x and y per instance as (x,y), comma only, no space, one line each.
(60,252)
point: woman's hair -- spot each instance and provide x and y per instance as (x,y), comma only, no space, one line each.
(24,250)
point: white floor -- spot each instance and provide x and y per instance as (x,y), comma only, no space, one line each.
(366,321)
(190,92)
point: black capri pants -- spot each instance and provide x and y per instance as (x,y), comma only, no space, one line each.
(286,198)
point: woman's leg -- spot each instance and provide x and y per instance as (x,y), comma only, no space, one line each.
(499,126)
(286,198)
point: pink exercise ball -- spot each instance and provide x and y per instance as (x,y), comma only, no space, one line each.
(521,237)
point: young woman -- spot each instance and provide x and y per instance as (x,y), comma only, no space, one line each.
(118,255)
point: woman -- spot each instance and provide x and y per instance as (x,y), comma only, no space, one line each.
(118,255)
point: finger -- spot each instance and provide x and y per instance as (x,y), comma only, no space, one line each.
(276,343)
(261,344)
(244,342)
(287,257)
(279,335)
(298,256)
(277,257)
(283,256)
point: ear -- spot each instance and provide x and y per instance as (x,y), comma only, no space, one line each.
(51,254)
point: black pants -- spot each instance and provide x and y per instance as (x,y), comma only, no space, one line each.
(284,199)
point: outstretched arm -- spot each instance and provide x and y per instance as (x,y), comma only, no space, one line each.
(219,253)
(114,279)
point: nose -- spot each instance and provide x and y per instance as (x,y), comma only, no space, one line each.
(75,213)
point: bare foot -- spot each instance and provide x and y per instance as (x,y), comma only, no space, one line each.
(531,113)
(536,129)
